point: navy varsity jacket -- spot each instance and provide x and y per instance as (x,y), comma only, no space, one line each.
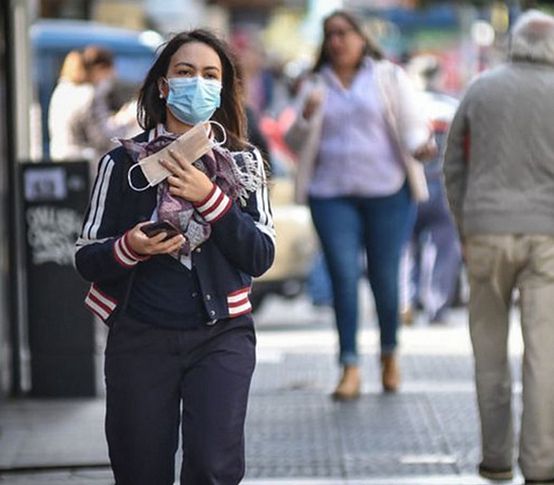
(241,245)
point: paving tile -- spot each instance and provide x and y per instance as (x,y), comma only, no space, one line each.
(428,434)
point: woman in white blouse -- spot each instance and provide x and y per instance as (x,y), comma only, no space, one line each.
(69,105)
(358,128)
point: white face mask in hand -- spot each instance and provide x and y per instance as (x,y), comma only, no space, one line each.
(191,146)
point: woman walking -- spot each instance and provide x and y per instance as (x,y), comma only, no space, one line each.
(181,344)
(358,124)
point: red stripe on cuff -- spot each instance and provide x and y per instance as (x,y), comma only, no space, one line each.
(239,303)
(129,250)
(244,312)
(121,249)
(224,211)
(214,206)
(116,247)
(94,288)
(246,290)
(96,312)
(207,198)
(102,305)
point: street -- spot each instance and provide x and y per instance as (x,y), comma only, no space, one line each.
(426,434)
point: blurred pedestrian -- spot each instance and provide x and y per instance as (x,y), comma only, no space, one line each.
(358,120)
(87,109)
(181,344)
(70,103)
(112,112)
(257,86)
(499,172)
(258,81)
(430,274)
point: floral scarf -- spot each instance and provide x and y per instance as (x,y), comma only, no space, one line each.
(236,180)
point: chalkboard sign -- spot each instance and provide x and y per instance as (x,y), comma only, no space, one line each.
(61,331)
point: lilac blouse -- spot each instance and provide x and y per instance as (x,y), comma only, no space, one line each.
(356,156)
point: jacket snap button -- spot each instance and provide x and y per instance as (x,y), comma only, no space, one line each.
(208,297)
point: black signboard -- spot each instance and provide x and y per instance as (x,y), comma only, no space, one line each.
(61,331)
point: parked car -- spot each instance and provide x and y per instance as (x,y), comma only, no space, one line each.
(296,245)
(52,39)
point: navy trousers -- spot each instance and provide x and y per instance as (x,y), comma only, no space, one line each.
(158,380)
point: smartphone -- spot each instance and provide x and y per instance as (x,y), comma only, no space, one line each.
(155,228)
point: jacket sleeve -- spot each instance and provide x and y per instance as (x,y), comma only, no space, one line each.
(102,252)
(414,124)
(244,234)
(298,133)
(456,162)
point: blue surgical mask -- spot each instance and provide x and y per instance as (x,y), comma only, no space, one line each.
(193,100)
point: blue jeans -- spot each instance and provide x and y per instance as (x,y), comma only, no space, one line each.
(319,283)
(380,225)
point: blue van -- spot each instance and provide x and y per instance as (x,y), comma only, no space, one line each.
(52,39)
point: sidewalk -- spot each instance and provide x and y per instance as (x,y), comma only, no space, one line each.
(296,435)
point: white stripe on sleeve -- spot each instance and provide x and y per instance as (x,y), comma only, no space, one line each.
(94,198)
(101,202)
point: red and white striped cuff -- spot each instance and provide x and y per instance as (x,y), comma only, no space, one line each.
(215,205)
(99,303)
(238,302)
(124,255)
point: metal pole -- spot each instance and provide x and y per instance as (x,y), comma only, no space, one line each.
(17,147)
(13,311)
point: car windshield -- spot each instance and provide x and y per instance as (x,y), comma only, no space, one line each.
(133,68)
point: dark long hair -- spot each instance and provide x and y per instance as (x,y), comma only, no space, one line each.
(371,48)
(151,108)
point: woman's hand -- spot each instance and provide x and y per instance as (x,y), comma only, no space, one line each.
(427,151)
(187,181)
(148,246)
(314,100)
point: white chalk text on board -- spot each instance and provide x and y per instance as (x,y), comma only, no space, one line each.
(51,234)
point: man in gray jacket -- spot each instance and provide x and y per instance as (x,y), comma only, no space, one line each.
(499,175)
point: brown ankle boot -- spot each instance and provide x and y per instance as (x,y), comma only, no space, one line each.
(349,384)
(390,374)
